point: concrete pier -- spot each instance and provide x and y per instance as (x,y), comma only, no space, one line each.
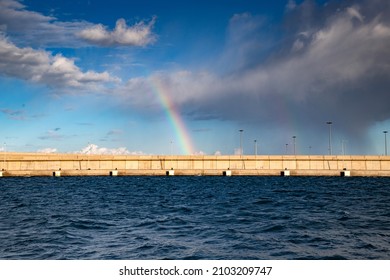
(39,164)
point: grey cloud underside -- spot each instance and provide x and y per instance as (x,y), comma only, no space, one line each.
(25,34)
(29,28)
(335,67)
(42,67)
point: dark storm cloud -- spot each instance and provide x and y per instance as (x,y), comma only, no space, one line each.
(329,62)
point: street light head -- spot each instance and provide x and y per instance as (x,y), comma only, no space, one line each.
(328,122)
(385,131)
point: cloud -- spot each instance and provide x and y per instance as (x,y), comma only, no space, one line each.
(334,67)
(85,123)
(47,150)
(180,87)
(52,134)
(138,35)
(199,153)
(115,132)
(14,114)
(246,44)
(35,29)
(20,115)
(93,149)
(42,67)
(291,5)
(14,17)
(112,135)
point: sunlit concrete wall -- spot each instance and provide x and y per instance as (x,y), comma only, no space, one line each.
(37,161)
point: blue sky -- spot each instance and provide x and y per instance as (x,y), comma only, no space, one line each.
(183,77)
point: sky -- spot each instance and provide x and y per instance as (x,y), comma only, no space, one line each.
(184,77)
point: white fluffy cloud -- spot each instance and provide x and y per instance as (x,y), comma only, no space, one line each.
(35,29)
(93,149)
(47,150)
(42,67)
(138,35)
(25,33)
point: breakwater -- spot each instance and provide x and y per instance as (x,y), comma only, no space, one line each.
(38,164)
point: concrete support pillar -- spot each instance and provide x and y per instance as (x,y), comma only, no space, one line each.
(285,172)
(227,173)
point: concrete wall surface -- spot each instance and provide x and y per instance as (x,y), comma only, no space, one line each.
(39,164)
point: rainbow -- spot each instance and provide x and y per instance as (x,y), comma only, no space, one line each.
(174,117)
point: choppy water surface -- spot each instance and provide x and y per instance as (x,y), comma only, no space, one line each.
(194,218)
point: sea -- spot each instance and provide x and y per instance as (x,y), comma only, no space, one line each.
(194,218)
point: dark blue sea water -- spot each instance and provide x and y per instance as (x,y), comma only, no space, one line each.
(194,218)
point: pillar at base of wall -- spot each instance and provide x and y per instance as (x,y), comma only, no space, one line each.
(114,173)
(171,172)
(227,173)
(57,173)
(345,173)
(285,173)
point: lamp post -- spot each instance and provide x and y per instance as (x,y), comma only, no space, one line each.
(343,147)
(255,153)
(171,154)
(255,147)
(88,154)
(241,151)
(294,142)
(385,132)
(5,145)
(286,149)
(330,137)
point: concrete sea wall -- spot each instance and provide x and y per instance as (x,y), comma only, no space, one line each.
(38,164)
